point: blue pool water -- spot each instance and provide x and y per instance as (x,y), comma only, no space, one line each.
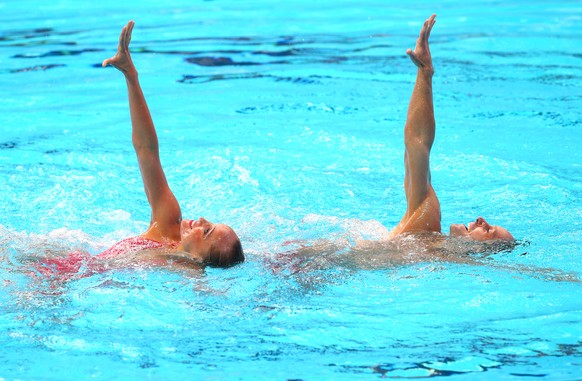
(297,135)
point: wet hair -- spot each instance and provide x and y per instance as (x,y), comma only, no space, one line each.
(493,246)
(224,257)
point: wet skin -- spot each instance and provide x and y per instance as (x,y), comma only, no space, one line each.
(480,230)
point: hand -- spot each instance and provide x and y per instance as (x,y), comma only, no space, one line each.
(122,60)
(421,53)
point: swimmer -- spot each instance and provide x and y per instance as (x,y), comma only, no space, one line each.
(417,237)
(169,238)
(423,212)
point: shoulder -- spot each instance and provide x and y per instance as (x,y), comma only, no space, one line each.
(425,218)
(165,232)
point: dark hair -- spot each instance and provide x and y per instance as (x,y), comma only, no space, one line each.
(497,246)
(227,257)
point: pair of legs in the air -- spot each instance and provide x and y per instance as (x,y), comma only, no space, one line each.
(217,244)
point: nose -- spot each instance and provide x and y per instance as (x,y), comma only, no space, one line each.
(202,220)
(480,221)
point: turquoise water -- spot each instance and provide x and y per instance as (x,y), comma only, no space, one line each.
(296,136)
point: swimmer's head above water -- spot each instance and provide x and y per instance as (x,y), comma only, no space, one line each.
(480,230)
(216,245)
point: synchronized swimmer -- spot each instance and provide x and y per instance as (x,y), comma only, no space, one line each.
(201,241)
(176,242)
(423,212)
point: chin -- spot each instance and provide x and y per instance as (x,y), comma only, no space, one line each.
(457,230)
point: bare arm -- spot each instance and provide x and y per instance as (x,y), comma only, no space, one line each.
(420,125)
(166,214)
(423,212)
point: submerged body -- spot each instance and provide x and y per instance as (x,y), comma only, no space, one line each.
(129,253)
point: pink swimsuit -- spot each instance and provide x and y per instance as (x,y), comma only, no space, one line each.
(76,260)
(128,245)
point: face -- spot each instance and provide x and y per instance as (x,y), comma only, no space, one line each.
(480,230)
(200,237)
